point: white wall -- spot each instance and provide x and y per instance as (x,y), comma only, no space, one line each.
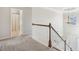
(41,16)
(44,16)
(5,21)
(57,22)
(71,32)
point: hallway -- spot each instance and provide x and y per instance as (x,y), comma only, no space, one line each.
(23,43)
(49,28)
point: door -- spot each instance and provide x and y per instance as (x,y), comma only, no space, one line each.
(16,22)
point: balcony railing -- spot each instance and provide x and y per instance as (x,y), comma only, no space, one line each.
(55,40)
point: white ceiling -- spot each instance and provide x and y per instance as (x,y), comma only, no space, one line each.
(63,9)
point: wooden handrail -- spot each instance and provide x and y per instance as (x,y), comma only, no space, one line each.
(40,25)
(50,26)
(62,39)
(57,33)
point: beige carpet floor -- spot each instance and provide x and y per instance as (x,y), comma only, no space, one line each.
(23,43)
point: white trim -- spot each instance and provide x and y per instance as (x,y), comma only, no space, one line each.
(20,19)
(8,37)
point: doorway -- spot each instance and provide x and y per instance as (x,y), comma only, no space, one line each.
(16,22)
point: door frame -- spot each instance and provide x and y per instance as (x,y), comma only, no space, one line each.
(21,12)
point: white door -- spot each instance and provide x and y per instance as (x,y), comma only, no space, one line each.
(16,22)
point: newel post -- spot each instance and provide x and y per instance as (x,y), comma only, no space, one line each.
(50,43)
(65,45)
(70,49)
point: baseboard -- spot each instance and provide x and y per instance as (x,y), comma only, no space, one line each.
(8,37)
(40,42)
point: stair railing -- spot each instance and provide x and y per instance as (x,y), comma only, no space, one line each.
(50,41)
